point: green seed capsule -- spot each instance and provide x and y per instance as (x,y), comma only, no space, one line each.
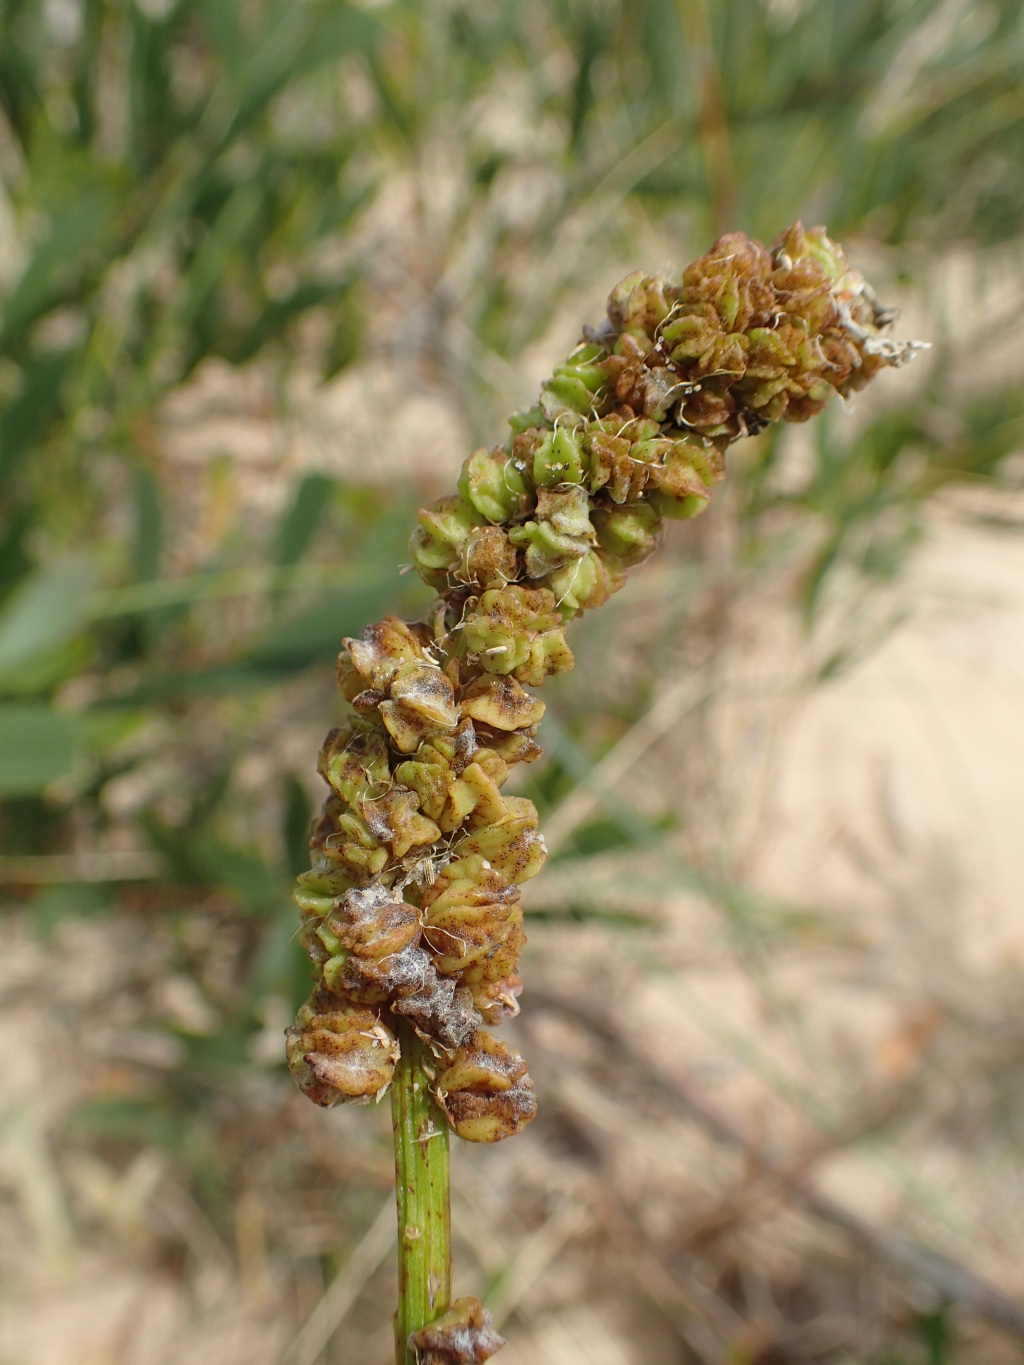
(629,533)
(585,583)
(493,485)
(558,459)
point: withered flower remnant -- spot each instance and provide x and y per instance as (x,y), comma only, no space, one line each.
(465,1335)
(411,906)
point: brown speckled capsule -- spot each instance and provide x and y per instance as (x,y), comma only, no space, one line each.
(464,1336)
(411,905)
(486,1091)
(340,1054)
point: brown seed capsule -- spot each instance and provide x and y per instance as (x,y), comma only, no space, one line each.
(394,818)
(373,922)
(498,1000)
(464,1336)
(517,630)
(486,1091)
(440,1008)
(499,701)
(338,1054)
(381,650)
(560,533)
(420,701)
(470,911)
(512,846)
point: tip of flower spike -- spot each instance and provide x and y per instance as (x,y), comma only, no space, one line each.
(889,350)
(748,336)
(861,315)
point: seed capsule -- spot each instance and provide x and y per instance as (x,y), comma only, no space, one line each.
(464,1336)
(338,1054)
(486,1091)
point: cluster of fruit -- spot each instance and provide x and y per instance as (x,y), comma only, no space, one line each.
(411,907)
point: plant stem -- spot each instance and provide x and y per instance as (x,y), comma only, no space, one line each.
(421,1190)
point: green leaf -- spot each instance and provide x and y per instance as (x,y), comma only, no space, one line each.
(748,911)
(297,39)
(247,876)
(298,816)
(936,1333)
(42,614)
(303,517)
(213,257)
(602,835)
(129,1118)
(317,634)
(15,558)
(68,900)
(281,965)
(148,526)
(24,421)
(43,281)
(37,745)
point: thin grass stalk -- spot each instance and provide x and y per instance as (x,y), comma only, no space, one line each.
(421,1193)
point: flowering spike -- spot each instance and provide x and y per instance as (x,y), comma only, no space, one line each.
(412,903)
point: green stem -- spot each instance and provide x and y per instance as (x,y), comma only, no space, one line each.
(421,1190)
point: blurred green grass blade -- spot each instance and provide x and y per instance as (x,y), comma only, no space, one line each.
(296,39)
(179,684)
(302,518)
(257,887)
(147,554)
(281,966)
(214,257)
(69,900)
(54,266)
(157,595)
(297,818)
(278,313)
(149,522)
(312,637)
(133,1118)
(317,633)
(85,69)
(220,19)
(748,911)
(42,614)
(622,817)
(259,580)
(584,912)
(15,559)
(33,409)
(37,745)
(19,85)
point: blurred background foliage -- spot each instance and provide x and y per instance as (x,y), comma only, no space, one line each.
(420,197)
